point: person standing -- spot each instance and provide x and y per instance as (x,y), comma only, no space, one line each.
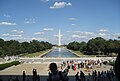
(82,76)
(1,79)
(16,78)
(10,78)
(38,77)
(117,67)
(56,75)
(24,75)
(77,77)
(35,75)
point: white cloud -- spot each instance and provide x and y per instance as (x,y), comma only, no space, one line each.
(78,36)
(101,34)
(16,31)
(5,34)
(116,35)
(10,35)
(48,29)
(49,0)
(16,35)
(39,33)
(84,33)
(77,31)
(20,39)
(5,15)
(103,30)
(68,31)
(29,21)
(45,0)
(57,35)
(7,23)
(41,39)
(69,4)
(88,33)
(60,5)
(73,24)
(72,19)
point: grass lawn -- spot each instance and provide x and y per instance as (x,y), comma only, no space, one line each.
(78,53)
(6,65)
(37,53)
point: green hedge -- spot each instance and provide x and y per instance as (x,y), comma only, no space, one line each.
(6,65)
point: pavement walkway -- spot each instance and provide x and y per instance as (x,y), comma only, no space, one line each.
(42,70)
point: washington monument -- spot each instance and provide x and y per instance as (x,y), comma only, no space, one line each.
(59,38)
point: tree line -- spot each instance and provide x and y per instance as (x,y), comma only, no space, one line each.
(96,46)
(13,47)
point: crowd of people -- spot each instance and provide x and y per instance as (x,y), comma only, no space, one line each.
(88,64)
(35,77)
(80,77)
(108,75)
(96,76)
(55,74)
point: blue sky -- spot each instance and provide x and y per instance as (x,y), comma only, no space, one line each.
(78,20)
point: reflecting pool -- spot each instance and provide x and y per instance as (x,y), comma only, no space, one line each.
(59,52)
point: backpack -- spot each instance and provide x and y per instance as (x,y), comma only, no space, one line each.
(58,77)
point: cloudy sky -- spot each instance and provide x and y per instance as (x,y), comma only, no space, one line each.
(78,20)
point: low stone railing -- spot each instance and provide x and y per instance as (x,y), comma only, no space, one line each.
(41,60)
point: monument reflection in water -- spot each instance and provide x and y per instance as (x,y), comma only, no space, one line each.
(60,52)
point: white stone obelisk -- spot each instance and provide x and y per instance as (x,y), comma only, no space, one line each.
(59,39)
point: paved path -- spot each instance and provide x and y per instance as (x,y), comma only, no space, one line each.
(42,70)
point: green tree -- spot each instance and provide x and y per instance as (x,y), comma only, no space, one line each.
(1,42)
(1,51)
(96,45)
(83,46)
(13,47)
(74,46)
(24,47)
(113,46)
